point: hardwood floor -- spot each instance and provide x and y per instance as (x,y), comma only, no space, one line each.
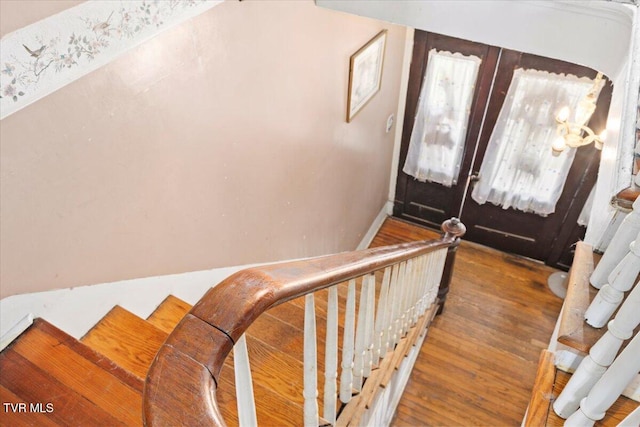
(478,364)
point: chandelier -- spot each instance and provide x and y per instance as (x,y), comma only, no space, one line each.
(577,134)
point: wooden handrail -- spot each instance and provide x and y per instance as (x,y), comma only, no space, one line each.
(181,383)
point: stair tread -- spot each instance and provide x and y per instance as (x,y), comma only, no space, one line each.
(126,339)
(270,406)
(82,370)
(167,315)
(33,385)
(19,419)
(172,310)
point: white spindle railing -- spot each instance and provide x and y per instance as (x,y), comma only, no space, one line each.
(618,247)
(310,393)
(370,289)
(439,261)
(400,289)
(407,290)
(620,281)
(331,357)
(406,296)
(600,356)
(346,378)
(382,319)
(394,307)
(244,384)
(373,328)
(609,387)
(360,346)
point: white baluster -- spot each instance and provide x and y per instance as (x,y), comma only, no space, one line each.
(608,388)
(382,319)
(244,385)
(418,290)
(331,357)
(408,292)
(370,290)
(620,281)
(361,344)
(424,284)
(618,246)
(600,356)
(394,286)
(310,393)
(435,274)
(440,261)
(402,291)
(346,376)
(428,291)
(415,288)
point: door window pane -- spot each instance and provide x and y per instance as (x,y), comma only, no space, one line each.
(440,127)
(519,169)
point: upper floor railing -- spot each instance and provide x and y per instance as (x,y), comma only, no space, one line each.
(607,370)
(397,286)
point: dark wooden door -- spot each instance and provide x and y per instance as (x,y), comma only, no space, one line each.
(545,238)
(431,203)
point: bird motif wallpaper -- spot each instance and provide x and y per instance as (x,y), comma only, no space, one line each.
(43,57)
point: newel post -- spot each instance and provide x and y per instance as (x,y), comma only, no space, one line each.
(453,229)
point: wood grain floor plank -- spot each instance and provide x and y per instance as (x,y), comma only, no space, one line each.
(81,375)
(34,385)
(167,315)
(91,355)
(478,362)
(128,340)
(14,416)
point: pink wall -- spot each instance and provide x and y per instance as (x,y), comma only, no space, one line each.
(219,142)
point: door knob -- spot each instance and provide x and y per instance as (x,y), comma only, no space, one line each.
(474,177)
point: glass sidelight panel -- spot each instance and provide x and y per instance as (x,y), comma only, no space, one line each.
(439,132)
(519,169)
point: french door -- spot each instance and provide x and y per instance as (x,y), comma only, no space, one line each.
(546,238)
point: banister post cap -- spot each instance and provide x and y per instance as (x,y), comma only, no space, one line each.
(454,227)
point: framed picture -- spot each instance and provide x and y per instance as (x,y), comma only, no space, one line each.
(365,73)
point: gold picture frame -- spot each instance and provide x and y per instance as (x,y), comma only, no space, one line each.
(365,74)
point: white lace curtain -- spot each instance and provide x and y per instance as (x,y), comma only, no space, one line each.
(519,169)
(440,127)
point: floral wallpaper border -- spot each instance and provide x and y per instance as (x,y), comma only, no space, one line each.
(45,56)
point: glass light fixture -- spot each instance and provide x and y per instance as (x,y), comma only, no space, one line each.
(577,134)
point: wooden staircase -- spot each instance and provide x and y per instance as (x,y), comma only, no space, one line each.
(99,379)
(577,335)
(48,377)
